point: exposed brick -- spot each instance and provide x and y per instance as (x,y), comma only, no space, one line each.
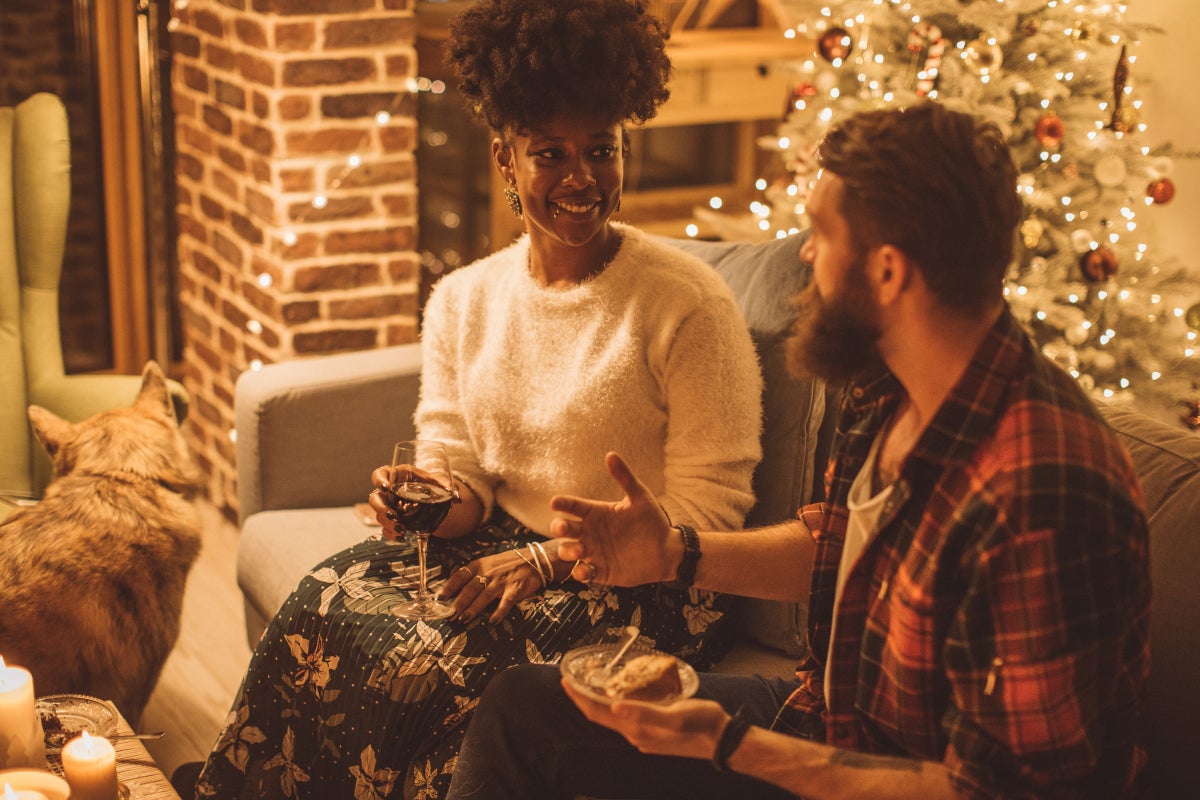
(366,104)
(185,44)
(379,173)
(260,204)
(295,106)
(212,208)
(187,164)
(300,179)
(227,249)
(233,315)
(198,325)
(258,138)
(334,341)
(335,276)
(196,138)
(399,66)
(399,205)
(226,340)
(184,104)
(195,78)
(387,240)
(332,140)
(327,71)
(246,229)
(206,266)
(306,246)
(402,270)
(250,31)
(257,297)
(209,22)
(295,36)
(303,311)
(373,306)
(260,104)
(217,120)
(288,7)
(219,56)
(225,184)
(232,158)
(368,32)
(398,138)
(258,70)
(335,208)
(401,334)
(191,227)
(230,94)
(261,170)
(207,355)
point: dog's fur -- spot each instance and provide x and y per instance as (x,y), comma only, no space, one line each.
(92,576)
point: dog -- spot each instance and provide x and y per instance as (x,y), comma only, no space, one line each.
(92,576)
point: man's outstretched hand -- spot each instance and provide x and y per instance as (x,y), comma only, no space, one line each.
(626,543)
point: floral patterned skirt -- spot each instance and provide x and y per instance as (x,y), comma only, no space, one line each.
(343,699)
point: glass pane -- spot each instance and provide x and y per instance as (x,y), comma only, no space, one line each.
(44,47)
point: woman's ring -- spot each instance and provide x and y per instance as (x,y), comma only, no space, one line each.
(466,570)
(483,582)
(592,572)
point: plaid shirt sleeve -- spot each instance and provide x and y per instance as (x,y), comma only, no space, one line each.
(1048,651)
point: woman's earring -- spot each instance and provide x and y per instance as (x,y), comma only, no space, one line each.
(513,199)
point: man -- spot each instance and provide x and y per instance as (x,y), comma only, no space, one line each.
(978,581)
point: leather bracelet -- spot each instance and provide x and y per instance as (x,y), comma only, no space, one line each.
(731,737)
(685,575)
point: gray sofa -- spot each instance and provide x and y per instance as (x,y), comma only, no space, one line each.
(311,431)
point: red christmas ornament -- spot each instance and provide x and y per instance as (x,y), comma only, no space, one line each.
(1191,417)
(834,43)
(1098,265)
(800,91)
(1050,130)
(1161,191)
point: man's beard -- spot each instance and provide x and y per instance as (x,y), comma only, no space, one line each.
(835,339)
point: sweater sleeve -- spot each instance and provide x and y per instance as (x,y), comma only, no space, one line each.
(439,413)
(713,387)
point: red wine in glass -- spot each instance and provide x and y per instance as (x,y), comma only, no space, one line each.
(422,485)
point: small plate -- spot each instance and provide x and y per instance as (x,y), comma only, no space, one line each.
(35,780)
(579,667)
(77,713)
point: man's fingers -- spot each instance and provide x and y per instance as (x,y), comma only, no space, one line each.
(571,550)
(623,475)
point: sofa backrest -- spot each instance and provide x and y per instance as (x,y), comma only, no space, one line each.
(764,276)
(1167,460)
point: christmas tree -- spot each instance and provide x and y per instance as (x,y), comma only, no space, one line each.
(1060,79)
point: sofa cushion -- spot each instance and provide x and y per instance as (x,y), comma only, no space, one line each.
(764,277)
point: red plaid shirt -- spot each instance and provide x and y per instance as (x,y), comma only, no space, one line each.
(999,620)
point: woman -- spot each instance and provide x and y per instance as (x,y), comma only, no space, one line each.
(582,337)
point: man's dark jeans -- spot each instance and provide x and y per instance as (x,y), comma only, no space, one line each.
(528,741)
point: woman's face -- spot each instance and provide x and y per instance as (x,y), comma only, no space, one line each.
(568,174)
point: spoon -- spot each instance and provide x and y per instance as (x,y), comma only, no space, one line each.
(628,638)
(150,735)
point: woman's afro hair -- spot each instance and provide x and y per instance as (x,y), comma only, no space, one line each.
(522,62)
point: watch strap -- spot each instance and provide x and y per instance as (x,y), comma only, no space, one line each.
(685,576)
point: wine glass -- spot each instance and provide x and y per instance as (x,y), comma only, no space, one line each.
(423,488)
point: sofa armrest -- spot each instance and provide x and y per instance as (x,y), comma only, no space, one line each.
(309,432)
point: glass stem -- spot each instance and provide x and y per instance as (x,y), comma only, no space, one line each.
(422,586)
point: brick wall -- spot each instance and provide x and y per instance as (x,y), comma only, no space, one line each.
(297,197)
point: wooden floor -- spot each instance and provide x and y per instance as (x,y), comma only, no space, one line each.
(205,668)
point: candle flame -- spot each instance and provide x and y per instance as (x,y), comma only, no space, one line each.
(2,667)
(8,792)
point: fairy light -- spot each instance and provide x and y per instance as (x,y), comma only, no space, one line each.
(760,184)
(715,202)
(264,280)
(254,326)
(692,229)
(256,365)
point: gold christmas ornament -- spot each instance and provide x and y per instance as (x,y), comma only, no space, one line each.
(1031,231)
(1192,317)
(983,56)
(835,43)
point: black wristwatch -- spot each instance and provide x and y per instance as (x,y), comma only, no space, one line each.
(686,575)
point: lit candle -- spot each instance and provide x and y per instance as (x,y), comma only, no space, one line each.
(21,738)
(22,794)
(90,764)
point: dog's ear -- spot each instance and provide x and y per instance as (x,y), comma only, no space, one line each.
(50,429)
(154,395)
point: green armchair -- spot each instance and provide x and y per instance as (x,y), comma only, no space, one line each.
(35,193)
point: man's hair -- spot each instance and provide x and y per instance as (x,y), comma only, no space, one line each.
(939,185)
(521,63)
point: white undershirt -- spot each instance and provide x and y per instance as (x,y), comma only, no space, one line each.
(860,529)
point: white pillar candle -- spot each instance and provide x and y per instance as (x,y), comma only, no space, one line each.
(22,742)
(90,764)
(22,794)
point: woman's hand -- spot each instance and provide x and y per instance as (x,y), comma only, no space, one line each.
(688,728)
(505,577)
(465,513)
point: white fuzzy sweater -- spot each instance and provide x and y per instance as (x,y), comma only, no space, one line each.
(530,386)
